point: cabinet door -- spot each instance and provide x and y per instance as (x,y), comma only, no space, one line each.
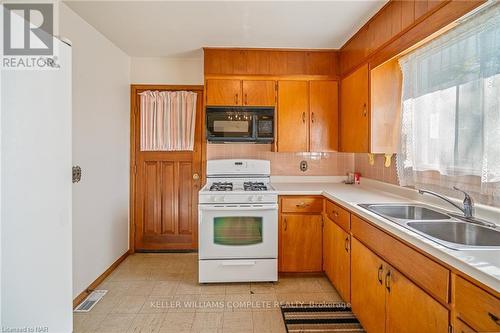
(293,116)
(259,93)
(367,289)
(324,101)
(223,92)
(410,309)
(341,262)
(327,248)
(354,119)
(300,241)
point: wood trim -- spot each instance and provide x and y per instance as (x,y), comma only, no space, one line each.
(134,107)
(78,299)
(435,19)
(259,77)
(268,49)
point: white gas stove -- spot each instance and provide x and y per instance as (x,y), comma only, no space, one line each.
(238,223)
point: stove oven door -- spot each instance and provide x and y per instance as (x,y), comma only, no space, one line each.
(238,231)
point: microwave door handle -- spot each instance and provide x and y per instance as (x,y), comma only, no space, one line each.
(226,208)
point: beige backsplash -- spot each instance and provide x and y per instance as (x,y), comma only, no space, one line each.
(286,164)
(376,171)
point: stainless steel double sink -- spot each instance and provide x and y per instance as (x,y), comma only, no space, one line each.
(439,226)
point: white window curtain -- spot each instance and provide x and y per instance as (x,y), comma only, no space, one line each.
(167,120)
(451,110)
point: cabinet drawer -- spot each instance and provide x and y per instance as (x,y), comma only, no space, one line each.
(338,215)
(476,307)
(302,205)
(425,272)
(461,327)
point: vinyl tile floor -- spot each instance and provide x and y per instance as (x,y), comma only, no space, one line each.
(160,293)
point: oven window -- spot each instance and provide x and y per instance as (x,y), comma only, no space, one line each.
(237,230)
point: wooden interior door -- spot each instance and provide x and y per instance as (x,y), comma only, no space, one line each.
(293,116)
(301,250)
(223,92)
(354,112)
(410,309)
(165,190)
(367,287)
(324,126)
(259,93)
(341,259)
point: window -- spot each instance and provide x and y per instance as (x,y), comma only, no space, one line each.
(451,110)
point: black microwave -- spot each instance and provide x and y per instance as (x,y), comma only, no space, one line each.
(240,124)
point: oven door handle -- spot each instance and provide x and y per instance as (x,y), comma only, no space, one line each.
(240,208)
(238,263)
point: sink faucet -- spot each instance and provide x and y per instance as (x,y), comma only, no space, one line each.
(468,208)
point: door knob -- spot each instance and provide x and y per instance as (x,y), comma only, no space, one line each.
(196,176)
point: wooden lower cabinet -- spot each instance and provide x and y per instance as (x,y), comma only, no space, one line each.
(328,262)
(478,308)
(410,309)
(367,287)
(341,262)
(301,248)
(386,301)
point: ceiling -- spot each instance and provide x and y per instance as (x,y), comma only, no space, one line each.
(182,28)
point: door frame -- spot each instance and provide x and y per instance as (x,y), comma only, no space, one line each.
(135,89)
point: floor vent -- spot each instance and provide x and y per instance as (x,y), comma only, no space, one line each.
(91,300)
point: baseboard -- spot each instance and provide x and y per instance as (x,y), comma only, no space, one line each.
(78,299)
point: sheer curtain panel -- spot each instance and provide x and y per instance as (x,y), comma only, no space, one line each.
(167,120)
(451,110)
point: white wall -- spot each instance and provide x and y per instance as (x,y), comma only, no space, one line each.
(36,198)
(167,70)
(101,79)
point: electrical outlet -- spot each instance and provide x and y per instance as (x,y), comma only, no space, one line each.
(303,166)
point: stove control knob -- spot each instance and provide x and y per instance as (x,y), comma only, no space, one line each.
(251,198)
(258,198)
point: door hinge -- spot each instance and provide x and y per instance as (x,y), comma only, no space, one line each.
(450,330)
(135,169)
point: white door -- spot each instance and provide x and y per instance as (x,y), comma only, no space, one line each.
(36,197)
(234,231)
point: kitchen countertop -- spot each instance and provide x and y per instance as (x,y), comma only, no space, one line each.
(482,265)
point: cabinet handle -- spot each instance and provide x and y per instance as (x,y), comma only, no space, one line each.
(246,99)
(286,224)
(335,213)
(379,275)
(302,205)
(365,112)
(346,244)
(312,117)
(304,117)
(494,318)
(236,99)
(388,281)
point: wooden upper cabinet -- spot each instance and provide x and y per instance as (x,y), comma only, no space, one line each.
(259,93)
(367,287)
(323,116)
(385,107)
(301,248)
(354,112)
(223,92)
(409,309)
(293,116)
